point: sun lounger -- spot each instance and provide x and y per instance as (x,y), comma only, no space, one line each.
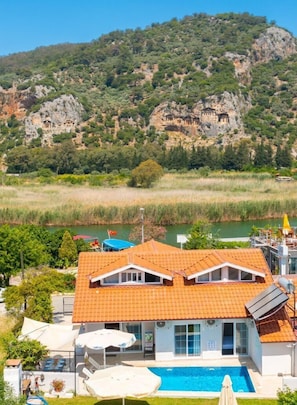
(87,372)
(94,363)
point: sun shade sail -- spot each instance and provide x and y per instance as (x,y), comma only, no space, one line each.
(53,336)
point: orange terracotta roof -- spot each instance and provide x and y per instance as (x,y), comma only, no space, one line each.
(276,328)
(239,258)
(180,299)
(154,246)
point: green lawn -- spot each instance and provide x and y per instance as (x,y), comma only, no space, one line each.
(157,401)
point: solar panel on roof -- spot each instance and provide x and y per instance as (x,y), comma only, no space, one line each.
(266,301)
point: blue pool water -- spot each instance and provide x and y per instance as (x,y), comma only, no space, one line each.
(203,378)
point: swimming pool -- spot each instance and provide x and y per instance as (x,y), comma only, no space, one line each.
(203,378)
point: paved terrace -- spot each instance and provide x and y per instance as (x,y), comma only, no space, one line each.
(266,387)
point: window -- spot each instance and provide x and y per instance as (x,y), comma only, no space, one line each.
(216,275)
(114,279)
(212,276)
(293,265)
(132,277)
(136,329)
(150,278)
(229,273)
(233,274)
(245,276)
(187,340)
(203,278)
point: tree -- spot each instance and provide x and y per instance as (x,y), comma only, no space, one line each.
(66,158)
(68,250)
(32,297)
(145,174)
(151,231)
(200,237)
(19,249)
(29,351)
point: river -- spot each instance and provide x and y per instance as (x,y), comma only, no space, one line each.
(221,230)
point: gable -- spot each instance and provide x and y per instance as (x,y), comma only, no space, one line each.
(129,269)
(227,272)
(214,260)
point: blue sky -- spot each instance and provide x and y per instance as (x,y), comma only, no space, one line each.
(28,24)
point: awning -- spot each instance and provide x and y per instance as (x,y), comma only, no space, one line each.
(270,300)
(116,244)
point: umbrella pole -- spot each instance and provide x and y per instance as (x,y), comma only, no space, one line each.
(123,401)
(104,358)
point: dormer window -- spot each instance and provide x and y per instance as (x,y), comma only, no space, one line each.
(225,274)
(132,276)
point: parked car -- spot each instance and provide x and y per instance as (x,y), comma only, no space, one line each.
(1,294)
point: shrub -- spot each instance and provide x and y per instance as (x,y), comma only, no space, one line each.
(58,385)
(286,397)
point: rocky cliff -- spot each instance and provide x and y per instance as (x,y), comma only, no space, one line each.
(210,118)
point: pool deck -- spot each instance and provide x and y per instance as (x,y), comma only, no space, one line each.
(266,387)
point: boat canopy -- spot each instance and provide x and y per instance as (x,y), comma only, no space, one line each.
(115,245)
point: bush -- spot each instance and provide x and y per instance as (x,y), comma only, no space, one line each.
(30,352)
(287,397)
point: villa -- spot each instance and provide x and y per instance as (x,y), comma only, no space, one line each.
(187,304)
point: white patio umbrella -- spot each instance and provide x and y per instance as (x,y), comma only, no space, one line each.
(123,381)
(227,396)
(102,338)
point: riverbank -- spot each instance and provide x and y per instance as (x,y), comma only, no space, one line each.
(175,199)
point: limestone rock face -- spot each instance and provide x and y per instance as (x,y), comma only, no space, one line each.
(54,117)
(275,43)
(220,115)
(216,115)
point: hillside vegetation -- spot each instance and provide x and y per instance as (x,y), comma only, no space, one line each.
(217,91)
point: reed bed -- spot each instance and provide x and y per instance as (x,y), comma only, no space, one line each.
(175,199)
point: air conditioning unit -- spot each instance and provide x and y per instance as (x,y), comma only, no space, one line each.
(161,324)
(210,322)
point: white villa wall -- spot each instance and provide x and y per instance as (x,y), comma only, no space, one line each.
(211,340)
(164,338)
(255,347)
(276,358)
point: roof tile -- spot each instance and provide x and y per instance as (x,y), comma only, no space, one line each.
(179,300)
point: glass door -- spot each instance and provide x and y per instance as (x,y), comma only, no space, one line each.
(241,338)
(235,338)
(187,340)
(228,339)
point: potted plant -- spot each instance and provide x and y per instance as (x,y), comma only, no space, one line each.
(58,385)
